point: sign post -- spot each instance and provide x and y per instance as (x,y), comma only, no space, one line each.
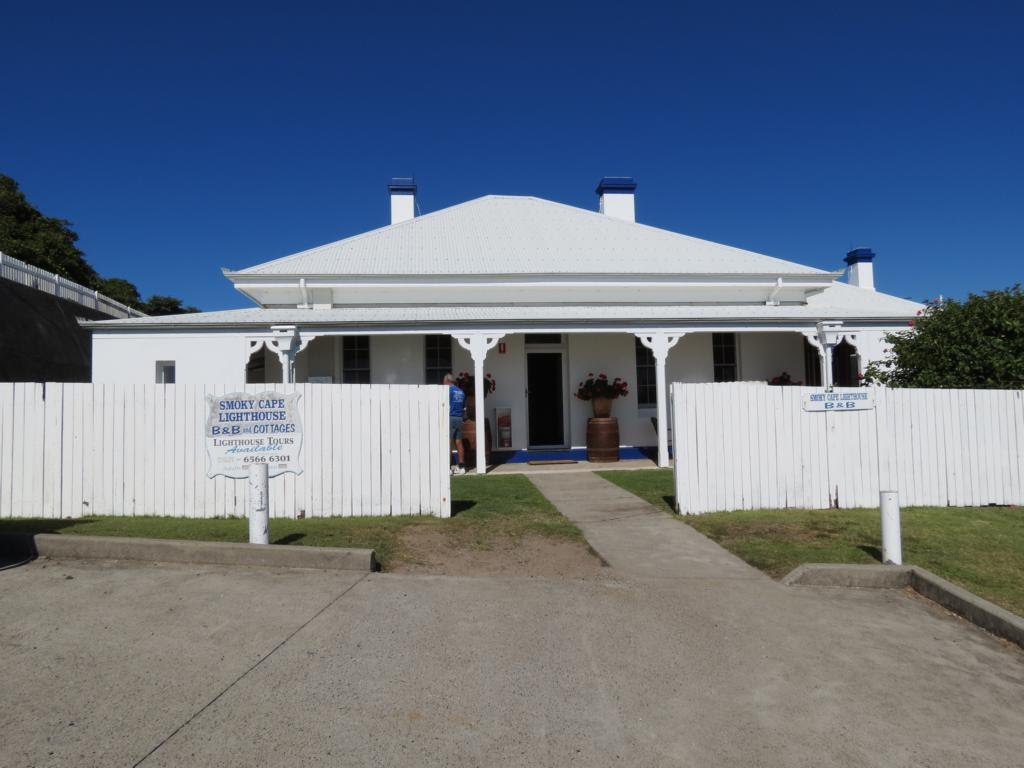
(254,436)
(259,504)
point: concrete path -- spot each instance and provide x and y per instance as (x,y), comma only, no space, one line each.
(519,468)
(114,664)
(634,537)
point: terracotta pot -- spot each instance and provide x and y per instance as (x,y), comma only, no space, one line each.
(602,407)
(469,441)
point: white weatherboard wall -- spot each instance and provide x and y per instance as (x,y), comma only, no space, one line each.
(752,446)
(199,357)
(68,450)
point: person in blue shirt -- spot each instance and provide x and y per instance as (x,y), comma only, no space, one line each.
(456,412)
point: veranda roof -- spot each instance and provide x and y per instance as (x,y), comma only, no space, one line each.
(838,302)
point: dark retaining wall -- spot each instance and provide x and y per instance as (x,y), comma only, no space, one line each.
(40,339)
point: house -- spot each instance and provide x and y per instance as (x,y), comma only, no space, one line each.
(535,293)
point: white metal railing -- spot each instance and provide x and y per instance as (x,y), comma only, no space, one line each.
(18,271)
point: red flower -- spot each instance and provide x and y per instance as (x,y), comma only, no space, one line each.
(600,386)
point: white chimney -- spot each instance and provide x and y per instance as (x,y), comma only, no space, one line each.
(861,272)
(617,195)
(403,199)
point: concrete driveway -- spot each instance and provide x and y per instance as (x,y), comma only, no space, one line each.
(108,664)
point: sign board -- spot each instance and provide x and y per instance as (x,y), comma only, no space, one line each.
(862,399)
(245,429)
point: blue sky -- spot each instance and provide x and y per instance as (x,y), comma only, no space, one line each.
(180,138)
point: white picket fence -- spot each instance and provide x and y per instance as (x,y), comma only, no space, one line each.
(21,272)
(752,446)
(69,450)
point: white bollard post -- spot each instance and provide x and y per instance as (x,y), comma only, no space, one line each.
(892,544)
(259,504)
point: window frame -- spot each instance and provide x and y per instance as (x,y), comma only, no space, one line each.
(351,346)
(542,339)
(729,343)
(646,376)
(161,369)
(434,373)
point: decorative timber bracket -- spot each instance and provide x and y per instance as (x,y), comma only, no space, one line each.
(286,341)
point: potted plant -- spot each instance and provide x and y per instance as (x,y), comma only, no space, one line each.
(467,383)
(784,380)
(600,392)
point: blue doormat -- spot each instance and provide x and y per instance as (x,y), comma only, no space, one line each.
(574,454)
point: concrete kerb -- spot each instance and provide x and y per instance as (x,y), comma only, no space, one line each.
(843,575)
(188,552)
(975,609)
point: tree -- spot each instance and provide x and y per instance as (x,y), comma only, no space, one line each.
(41,241)
(976,344)
(165,305)
(124,291)
(50,244)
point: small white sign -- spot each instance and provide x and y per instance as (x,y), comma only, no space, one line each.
(243,429)
(862,399)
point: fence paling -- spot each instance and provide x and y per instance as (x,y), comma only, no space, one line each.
(68,450)
(936,447)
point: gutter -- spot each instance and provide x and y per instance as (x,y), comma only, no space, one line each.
(327,280)
(552,326)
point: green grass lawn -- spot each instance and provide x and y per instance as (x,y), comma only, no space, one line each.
(980,548)
(485,510)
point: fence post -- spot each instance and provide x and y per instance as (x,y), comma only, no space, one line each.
(892,545)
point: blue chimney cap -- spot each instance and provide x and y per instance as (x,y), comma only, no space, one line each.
(402,186)
(858,255)
(620,184)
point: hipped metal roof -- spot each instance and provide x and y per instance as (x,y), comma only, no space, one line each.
(504,235)
(523,236)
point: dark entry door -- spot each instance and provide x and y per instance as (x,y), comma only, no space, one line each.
(544,390)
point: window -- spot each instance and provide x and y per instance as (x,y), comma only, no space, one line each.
(543,338)
(164,371)
(812,365)
(723,349)
(845,365)
(437,357)
(646,380)
(355,360)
